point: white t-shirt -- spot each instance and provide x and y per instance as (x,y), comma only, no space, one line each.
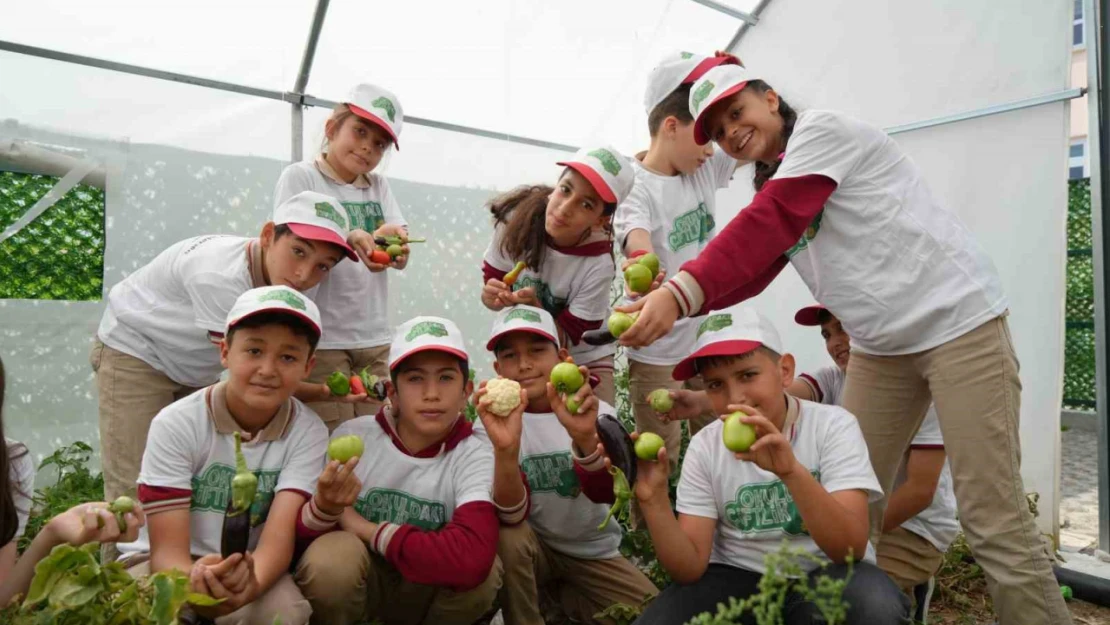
(576,278)
(754,510)
(561,515)
(678,212)
(424,492)
(22,483)
(162,313)
(885,255)
(191,451)
(353,301)
(937,523)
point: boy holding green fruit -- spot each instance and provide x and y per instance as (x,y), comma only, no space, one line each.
(419,538)
(666,221)
(199,489)
(805,479)
(550,469)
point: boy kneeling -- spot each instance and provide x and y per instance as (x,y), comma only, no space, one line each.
(419,544)
(185,479)
(542,448)
(806,479)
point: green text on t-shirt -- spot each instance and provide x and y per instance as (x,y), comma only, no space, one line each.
(384,505)
(691,227)
(548,301)
(766,507)
(367,216)
(552,473)
(807,236)
(212,491)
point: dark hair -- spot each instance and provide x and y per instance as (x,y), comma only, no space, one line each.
(763,171)
(719,361)
(9,514)
(297,325)
(676,105)
(824,316)
(281,230)
(464,368)
(497,346)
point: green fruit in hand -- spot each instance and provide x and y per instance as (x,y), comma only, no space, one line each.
(648,445)
(339,384)
(573,405)
(639,278)
(738,436)
(121,506)
(651,261)
(566,378)
(620,322)
(344,448)
(394,250)
(661,400)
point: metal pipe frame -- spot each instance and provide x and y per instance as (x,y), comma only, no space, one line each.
(747,18)
(297,125)
(756,13)
(1098,150)
(1067,94)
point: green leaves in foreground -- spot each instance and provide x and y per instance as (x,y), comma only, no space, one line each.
(71,587)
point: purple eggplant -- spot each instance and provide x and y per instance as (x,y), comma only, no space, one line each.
(618,445)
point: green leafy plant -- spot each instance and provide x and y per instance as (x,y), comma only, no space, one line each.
(622,613)
(74,484)
(71,587)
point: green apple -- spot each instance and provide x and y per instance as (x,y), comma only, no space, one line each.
(660,400)
(619,322)
(738,436)
(639,278)
(651,261)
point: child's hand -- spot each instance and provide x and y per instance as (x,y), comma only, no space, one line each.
(687,405)
(338,487)
(525,297)
(232,579)
(655,284)
(582,425)
(364,245)
(729,55)
(770,451)
(652,477)
(89,522)
(396,230)
(496,295)
(658,312)
(504,432)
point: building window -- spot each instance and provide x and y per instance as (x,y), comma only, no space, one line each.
(1077,159)
(1077,25)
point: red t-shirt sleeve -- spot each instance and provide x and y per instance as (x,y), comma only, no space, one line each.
(489,272)
(769,226)
(458,556)
(597,486)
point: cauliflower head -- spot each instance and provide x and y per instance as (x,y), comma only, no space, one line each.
(504,396)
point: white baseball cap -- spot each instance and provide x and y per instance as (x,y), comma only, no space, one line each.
(717,84)
(421,334)
(608,171)
(677,69)
(273,299)
(522,318)
(316,217)
(377,105)
(733,331)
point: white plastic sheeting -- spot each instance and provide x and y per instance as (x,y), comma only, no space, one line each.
(895,63)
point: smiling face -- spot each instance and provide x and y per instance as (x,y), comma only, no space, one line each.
(264,365)
(757,379)
(747,125)
(297,263)
(573,208)
(429,391)
(836,341)
(528,359)
(355,145)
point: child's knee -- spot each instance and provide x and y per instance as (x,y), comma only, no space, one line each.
(516,546)
(874,598)
(470,605)
(332,566)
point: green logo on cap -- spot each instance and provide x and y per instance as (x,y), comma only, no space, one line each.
(701,93)
(608,161)
(431,328)
(529,316)
(281,295)
(327,211)
(687,55)
(715,323)
(386,105)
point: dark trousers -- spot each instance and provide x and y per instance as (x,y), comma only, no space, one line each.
(873,598)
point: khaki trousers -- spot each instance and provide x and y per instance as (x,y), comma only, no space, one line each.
(346,584)
(605,389)
(350,362)
(973,380)
(581,587)
(643,379)
(908,559)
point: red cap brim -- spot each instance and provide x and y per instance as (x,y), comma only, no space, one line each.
(319,233)
(706,65)
(496,337)
(430,348)
(809,315)
(599,185)
(699,124)
(370,117)
(687,369)
(287,311)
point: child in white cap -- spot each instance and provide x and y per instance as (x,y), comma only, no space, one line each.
(269,339)
(670,212)
(551,485)
(419,543)
(158,340)
(840,201)
(805,480)
(354,301)
(563,237)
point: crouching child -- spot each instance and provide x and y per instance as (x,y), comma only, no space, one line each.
(185,482)
(805,479)
(419,544)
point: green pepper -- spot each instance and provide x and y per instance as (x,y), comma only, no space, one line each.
(621,491)
(394,239)
(244,485)
(375,387)
(339,384)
